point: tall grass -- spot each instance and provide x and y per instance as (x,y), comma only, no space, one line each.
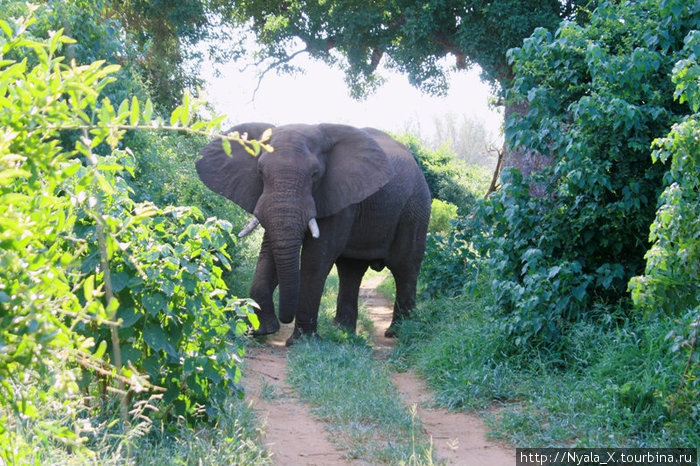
(352,393)
(610,388)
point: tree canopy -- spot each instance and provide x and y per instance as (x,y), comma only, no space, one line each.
(412,37)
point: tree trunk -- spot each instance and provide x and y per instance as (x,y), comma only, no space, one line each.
(527,161)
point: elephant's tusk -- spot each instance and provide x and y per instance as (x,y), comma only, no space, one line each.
(313,228)
(254,222)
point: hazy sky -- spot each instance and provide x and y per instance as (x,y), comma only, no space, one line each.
(320,95)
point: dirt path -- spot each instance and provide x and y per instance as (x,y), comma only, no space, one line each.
(458,438)
(296,438)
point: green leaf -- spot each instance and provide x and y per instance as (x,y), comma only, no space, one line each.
(101,348)
(119,281)
(134,111)
(157,339)
(89,288)
(148,111)
(175,116)
(154,303)
(123,109)
(226,145)
(129,316)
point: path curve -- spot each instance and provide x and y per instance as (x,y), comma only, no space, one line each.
(295,437)
(458,437)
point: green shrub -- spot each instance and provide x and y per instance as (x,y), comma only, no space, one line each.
(670,281)
(598,96)
(97,291)
(448,177)
(441,213)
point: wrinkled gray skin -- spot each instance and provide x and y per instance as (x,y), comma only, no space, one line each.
(370,201)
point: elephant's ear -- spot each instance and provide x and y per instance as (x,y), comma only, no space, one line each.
(356,168)
(234,177)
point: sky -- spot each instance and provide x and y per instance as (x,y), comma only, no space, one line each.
(320,95)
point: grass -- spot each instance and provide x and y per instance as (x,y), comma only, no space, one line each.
(352,393)
(235,438)
(612,388)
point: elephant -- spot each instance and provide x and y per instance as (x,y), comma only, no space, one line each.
(326,194)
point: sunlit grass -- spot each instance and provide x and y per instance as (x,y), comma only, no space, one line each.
(610,387)
(352,393)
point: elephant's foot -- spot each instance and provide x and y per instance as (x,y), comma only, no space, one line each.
(299,334)
(267,326)
(392,331)
(347,326)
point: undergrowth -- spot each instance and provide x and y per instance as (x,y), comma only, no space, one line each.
(614,385)
(352,393)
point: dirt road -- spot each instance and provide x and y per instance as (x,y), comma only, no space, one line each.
(295,437)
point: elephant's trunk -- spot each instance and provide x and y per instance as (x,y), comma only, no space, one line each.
(287,262)
(286,228)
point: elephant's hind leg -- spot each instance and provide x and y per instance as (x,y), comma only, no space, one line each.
(350,273)
(406,280)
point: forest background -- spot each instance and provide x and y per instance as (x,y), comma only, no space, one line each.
(569,296)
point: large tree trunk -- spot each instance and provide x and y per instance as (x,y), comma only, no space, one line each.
(527,161)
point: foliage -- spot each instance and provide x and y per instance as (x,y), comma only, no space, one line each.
(166,40)
(611,388)
(84,265)
(449,178)
(159,43)
(673,262)
(670,281)
(441,213)
(598,96)
(413,35)
(164,173)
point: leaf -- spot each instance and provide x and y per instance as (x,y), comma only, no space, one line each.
(119,281)
(157,339)
(226,145)
(185,113)
(101,348)
(134,111)
(175,116)
(148,111)
(129,316)
(154,303)
(123,109)
(89,288)
(6,28)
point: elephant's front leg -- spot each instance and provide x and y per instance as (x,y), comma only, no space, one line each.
(264,283)
(317,258)
(350,273)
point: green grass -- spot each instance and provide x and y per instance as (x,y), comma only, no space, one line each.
(613,387)
(352,393)
(234,438)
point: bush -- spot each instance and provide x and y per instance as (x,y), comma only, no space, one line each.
(598,96)
(441,213)
(84,268)
(449,179)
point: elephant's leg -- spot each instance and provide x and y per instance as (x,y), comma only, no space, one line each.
(313,279)
(317,258)
(406,256)
(406,280)
(262,289)
(350,273)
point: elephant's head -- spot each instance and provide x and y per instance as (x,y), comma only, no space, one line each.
(315,171)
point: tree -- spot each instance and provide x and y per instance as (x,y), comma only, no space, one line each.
(598,97)
(164,36)
(410,36)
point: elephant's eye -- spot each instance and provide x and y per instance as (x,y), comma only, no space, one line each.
(316,174)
